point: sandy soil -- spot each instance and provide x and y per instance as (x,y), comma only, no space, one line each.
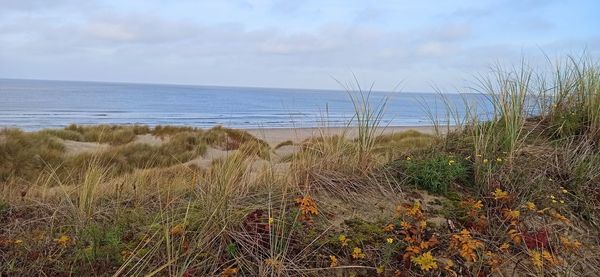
(149,139)
(210,155)
(76,147)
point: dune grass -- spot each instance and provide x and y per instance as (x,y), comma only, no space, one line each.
(514,194)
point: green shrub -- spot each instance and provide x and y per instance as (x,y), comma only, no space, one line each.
(569,124)
(435,174)
(101,243)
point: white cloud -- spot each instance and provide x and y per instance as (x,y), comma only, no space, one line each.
(153,45)
(111,32)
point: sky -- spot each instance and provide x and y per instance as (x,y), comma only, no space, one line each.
(397,45)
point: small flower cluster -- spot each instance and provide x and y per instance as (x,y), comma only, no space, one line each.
(418,242)
(308,208)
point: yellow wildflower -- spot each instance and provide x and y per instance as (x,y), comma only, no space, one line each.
(485,161)
(511,214)
(536,258)
(334,261)
(390,240)
(408,158)
(271,220)
(63,240)
(451,162)
(570,244)
(499,160)
(550,258)
(18,241)
(530,206)
(562,201)
(499,194)
(425,261)
(357,253)
(343,240)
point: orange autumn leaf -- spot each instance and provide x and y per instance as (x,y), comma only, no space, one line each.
(176,230)
(388,228)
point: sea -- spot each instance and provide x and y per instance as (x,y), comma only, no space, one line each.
(38,104)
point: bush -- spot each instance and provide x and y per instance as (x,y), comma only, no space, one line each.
(435,174)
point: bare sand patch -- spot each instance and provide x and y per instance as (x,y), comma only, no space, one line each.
(77,147)
(208,157)
(285,151)
(149,139)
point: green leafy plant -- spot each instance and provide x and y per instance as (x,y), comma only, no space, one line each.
(435,174)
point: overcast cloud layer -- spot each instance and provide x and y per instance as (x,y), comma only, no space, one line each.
(279,43)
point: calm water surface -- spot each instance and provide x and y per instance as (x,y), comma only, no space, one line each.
(33,104)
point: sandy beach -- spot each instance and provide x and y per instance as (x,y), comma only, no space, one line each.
(275,136)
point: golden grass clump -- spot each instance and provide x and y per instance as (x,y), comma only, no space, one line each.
(24,155)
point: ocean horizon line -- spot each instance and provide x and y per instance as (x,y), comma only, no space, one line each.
(341,89)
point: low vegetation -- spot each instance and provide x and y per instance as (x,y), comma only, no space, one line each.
(513,194)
